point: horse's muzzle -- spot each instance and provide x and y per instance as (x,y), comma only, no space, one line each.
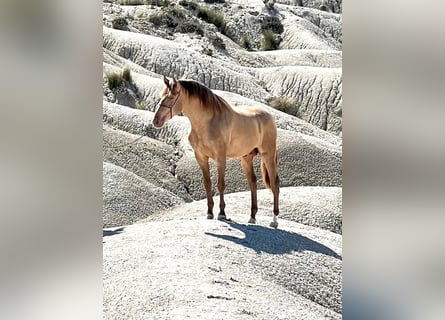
(158,123)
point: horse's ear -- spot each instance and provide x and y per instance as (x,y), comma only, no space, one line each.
(175,84)
(167,82)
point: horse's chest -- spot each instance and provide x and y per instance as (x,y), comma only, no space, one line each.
(203,144)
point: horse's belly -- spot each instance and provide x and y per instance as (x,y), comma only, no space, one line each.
(240,149)
(244,138)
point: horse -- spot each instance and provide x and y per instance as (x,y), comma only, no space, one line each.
(219,132)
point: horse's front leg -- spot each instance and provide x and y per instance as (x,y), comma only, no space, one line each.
(221,165)
(203,162)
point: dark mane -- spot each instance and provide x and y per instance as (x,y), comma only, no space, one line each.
(205,95)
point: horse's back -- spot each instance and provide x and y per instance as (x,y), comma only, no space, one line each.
(263,119)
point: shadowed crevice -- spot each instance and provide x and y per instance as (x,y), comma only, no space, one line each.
(107,233)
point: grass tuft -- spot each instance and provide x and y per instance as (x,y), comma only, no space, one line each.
(120,23)
(272,23)
(142,105)
(283,103)
(176,18)
(245,42)
(126,74)
(114,80)
(270,41)
(211,16)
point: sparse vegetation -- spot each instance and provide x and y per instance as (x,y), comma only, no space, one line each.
(217,42)
(159,3)
(120,23)
(126,74)
(245,42)
(141,105)
(269,4)
(176,12)
(283,103)
(189,27)
(114,80)
(193,6)
(207,51)
(175,18)
(159,19)
(211,16)
(272,23)
(208,14)
(270,41)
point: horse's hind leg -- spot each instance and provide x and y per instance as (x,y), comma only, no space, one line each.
(203,162)
(247,165)
(221,165)
(271,162)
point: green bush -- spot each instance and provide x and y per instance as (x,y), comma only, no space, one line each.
(270,41)
(284,103)
(272,23)
(245,42)
(114,80)
(211,16)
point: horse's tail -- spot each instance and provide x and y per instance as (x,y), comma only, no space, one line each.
(265,173)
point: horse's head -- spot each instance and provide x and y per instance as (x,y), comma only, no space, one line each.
(170,103)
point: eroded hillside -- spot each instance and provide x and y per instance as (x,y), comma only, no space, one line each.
(284,56)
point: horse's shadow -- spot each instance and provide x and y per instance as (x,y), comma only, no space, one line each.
(274,241)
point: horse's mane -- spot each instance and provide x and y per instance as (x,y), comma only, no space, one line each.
(205,95)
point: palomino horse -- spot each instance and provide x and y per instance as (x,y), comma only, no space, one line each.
(220,132)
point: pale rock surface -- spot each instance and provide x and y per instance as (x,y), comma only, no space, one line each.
(317,90)
(318,93)
(208,269)
(128,198)
(148,158)
(313,206)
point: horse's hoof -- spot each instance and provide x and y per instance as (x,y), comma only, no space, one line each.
(210,216)
(222,217)
(274,224)
(252,220)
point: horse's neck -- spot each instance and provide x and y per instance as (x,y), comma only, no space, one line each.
(197,114)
